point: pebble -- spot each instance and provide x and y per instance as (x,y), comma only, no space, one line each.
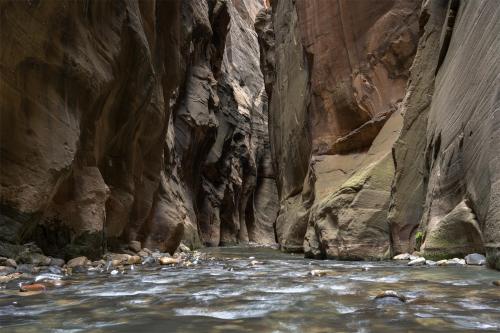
(55,270)
(255,262)
(79,269)
(496,283)
(168,261)
(57,262)
(183,248)
(27,268)
(78,261)
(4,270)
(32,287)
(402,256)
(475,259)
(135,246)
(117,258)
(8,262)
(10,277)
(417,262)
(114,272)
(36,259)
(134,260)
(148,261)
(116,262)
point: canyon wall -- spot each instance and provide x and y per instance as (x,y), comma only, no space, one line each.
(446,184)
(373,158)
(340,71)
(132,120)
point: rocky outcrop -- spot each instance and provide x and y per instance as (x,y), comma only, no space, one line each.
(132,120)
(340,71)
(451,136)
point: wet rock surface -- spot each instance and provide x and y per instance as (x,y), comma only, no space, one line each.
(221,288)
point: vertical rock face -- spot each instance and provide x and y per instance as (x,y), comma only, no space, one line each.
(452,136)
(124,120)
(288,129)
(368,156)
(340,71)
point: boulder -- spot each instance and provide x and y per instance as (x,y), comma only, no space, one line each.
(475,259)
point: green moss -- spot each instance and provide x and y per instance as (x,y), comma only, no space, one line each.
(419,238)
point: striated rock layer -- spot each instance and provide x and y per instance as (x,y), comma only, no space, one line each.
(447,156)
(132,120)
(371,159)
(340,71)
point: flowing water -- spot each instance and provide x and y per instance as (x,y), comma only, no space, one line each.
(229,294)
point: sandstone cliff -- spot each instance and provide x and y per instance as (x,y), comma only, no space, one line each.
(446,157)
(370,159)
(132,120)
(340,72)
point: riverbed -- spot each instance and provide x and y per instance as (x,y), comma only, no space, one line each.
(262,290)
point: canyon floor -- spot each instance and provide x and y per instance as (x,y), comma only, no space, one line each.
(249,289)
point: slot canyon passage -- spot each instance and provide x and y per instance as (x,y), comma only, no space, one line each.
(250,165)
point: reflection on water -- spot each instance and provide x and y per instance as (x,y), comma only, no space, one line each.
(230,294)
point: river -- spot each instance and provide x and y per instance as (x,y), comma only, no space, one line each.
(262,290)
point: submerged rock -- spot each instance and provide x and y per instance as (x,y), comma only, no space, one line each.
(475,259)
(391,295)
(321,272)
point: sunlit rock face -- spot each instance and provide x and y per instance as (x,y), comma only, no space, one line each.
(124,120)
(340,71)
